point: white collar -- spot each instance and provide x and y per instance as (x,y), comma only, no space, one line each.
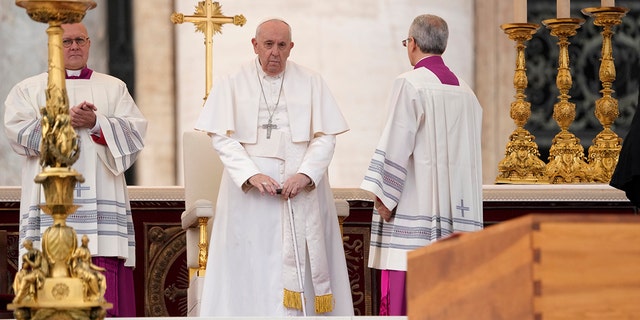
(74,73)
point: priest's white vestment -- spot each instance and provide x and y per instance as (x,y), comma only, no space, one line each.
(250,260)
(104,212)
(427,167)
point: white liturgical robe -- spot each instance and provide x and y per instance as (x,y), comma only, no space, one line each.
(104,213)
(251,261)
(427,167)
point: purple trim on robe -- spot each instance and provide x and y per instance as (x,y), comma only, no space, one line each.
(437,66)
(393,298)
(85,74)
(120,287)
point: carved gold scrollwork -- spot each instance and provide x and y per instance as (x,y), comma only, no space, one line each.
(604,152)
(566,156)
(521,163)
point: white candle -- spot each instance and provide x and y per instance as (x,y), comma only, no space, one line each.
(563,9)
(607,3)
(520,11)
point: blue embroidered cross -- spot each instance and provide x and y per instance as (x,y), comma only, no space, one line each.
(79,189)
(461,207)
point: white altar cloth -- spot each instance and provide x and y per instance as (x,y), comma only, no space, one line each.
(491,192)
(270,318)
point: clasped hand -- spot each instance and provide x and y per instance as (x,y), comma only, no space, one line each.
(83,115)
(290,188)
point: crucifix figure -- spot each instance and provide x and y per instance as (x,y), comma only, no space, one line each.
(208,19)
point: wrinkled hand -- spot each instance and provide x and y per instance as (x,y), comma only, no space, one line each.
(383,211)
(264,184)
(295,185)
(83,115)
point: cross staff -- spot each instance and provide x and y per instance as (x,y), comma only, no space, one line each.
(208,19)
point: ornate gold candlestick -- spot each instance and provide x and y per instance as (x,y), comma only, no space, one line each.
(566,155)
(54,282)
(604,152)
(521,164)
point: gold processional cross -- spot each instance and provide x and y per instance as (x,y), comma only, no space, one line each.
(208,19)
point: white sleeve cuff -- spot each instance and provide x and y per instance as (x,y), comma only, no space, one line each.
(96,129)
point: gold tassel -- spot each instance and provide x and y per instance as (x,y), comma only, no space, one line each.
(292,299)
(324,303)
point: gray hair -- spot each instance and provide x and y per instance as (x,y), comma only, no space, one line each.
(430,33)
(272,19)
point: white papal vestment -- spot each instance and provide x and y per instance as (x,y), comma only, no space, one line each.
(251,253)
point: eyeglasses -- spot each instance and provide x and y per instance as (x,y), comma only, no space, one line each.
(69,42)
(404,42)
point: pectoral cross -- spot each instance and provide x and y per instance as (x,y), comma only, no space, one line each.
(208,19)
(269,126)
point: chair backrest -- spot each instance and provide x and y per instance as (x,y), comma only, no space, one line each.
(202,174)
(202,168)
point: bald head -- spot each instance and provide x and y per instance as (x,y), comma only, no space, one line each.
(271,22)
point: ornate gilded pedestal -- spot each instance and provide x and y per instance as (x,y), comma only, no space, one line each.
(58,282)
(604,152)
(521,164)
(566,155)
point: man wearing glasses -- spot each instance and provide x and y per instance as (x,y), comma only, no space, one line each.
(110,130)
(426,172)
